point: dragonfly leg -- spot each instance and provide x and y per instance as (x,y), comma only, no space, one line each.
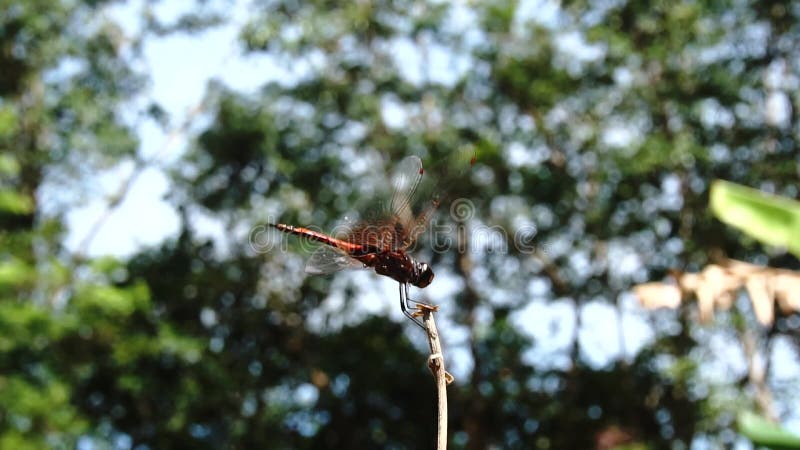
(409,306)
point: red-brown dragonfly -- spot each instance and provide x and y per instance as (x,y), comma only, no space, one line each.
(381,241)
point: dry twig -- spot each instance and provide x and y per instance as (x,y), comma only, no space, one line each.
(440,375)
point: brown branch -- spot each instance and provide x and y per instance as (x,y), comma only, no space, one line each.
(440,375)
(757,372)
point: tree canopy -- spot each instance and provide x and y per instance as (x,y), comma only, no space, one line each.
(598,129)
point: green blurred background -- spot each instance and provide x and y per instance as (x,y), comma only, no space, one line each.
(142,141)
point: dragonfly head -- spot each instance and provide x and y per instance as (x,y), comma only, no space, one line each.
(424,275)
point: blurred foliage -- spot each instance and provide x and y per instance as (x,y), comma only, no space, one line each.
(599,126)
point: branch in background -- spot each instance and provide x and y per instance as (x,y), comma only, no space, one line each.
(117,198)
(475,410)
(757,372)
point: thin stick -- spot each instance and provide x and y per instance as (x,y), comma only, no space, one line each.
(440,375)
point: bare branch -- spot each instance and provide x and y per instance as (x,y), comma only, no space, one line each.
(440,375)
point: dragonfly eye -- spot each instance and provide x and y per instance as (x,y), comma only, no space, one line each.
(424,275)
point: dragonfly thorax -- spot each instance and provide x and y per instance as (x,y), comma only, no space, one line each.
(399,266)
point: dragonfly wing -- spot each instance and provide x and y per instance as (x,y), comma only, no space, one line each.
(405,183)
(446,174)
(327,259)
(419,224)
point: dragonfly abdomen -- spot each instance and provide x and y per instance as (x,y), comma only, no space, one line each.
(319,237)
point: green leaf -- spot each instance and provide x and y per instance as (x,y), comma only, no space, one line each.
(15,203)
(768,218)
(763,432)
(15,273)
(25,326)
(112,301)
(34,407)
(8,165)
(9,121)
(184,347)
(167,342)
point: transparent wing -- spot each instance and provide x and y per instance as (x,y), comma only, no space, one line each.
(442,180)
(386,227)
(405,184)
(327,259)
(419,224)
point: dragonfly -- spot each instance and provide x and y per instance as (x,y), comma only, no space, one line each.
(381,242)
